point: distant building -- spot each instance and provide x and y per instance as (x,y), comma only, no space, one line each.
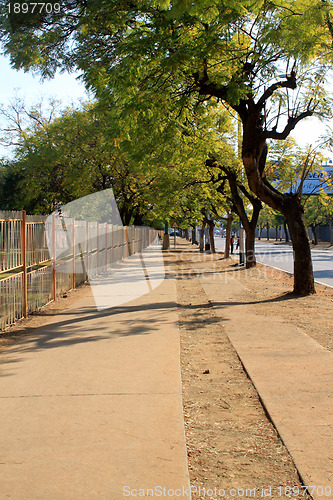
(318,180)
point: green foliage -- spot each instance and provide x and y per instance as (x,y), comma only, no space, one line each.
(154,162)
(161,45)
(288,166)
(164,68)
(175,52)
(318,209)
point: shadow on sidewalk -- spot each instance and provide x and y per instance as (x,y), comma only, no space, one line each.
(87,325)
(279,298)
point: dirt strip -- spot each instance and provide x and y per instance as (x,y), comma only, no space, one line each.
(234,450)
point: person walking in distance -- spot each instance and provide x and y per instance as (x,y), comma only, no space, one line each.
(232,244)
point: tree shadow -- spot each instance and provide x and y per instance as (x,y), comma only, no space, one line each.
(86,325)
(287,296)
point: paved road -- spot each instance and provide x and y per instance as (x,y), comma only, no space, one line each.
(280,256)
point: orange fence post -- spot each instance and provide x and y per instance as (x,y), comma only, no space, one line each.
(116,238)
(97,249)
(54,281)
(73,235)
(87,235)
(106,246)
(24,265)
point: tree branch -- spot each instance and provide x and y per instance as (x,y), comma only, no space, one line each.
(292,122)
(289,83)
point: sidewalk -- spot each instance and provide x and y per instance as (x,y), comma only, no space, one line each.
(91,404)
(292,373)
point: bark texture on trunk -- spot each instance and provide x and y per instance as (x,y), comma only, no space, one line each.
(228,236)
(202,237)
(303,272)
(250,256)
(289,204)
(211,226)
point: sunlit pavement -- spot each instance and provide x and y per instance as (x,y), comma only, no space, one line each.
(280,256)
(91,404)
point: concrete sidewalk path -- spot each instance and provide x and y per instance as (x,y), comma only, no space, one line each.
(292,373)
(90,404)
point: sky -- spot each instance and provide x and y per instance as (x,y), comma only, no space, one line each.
(68,89)
(64,87)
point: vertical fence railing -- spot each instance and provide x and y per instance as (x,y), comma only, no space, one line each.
(30,277)
(24,264)
(10,240)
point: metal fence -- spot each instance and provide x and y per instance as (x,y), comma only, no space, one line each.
(31,275)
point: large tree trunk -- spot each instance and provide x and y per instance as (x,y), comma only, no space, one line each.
(314,233)
(250,229)
(211,226)
(250,255)
(303,272)
(239,208)
(138,220)
(194,242)
(290,206)
(253,115)
(286,231)
(228,236)
(202,237)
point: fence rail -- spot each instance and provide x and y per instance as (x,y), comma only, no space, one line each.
(41,258)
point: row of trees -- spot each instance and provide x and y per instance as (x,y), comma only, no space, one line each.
(172,69)
(61,155)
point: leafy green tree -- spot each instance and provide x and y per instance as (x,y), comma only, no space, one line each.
(82,151)
(289,167)
(270,218)
(240,199)
(233,52)
(318,210)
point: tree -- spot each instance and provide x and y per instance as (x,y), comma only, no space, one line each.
(270,218)
(318,210)
(297,164)
(239,198)
(80,152)
(232,52)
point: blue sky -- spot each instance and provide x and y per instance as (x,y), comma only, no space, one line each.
(65,86)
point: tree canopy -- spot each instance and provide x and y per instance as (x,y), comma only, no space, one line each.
(267,60)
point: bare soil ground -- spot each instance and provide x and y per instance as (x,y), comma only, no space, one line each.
(233,448)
